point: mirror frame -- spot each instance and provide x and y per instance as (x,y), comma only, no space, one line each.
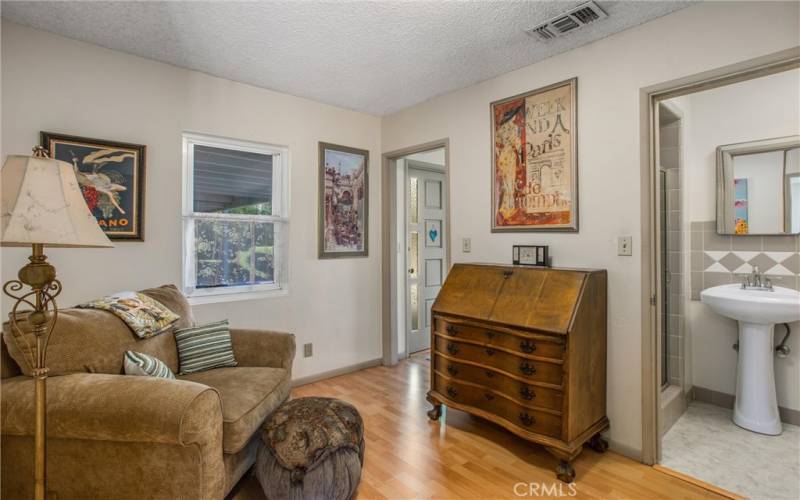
(725,154)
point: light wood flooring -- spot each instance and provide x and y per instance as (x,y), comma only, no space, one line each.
(410,457)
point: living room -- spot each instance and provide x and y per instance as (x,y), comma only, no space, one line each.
(304,111)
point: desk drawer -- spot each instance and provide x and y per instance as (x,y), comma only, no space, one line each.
(539,346)
(522,417)
(539,371)
(524,393)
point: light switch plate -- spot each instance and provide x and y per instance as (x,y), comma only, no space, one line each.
(308,350)
(466,245)
(625,245)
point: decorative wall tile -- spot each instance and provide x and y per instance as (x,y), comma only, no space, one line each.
(718,259)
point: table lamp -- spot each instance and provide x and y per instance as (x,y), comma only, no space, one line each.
(41,205)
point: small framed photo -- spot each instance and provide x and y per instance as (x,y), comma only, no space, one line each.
(529,255)
(111,177)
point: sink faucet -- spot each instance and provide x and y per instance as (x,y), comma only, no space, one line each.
(756,281)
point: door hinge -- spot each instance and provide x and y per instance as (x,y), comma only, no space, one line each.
(652,300)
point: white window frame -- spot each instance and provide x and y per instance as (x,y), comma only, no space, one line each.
(279,219)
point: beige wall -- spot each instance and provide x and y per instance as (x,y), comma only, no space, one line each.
(60,85)
(610,74)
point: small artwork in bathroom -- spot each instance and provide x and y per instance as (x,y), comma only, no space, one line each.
(740,205)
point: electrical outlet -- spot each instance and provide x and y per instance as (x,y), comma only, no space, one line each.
(625,245)
(466,245)
(308,350)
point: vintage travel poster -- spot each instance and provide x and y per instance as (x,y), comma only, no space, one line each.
(111,178)
(343,201)
(535,160)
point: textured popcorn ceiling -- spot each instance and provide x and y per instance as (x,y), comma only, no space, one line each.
(375,57)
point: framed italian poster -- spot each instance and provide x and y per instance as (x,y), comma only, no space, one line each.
(535,160)
(111,178)
(343,201)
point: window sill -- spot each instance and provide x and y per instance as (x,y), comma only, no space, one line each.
(200,299)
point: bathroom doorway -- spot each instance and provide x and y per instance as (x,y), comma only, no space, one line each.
(694,396)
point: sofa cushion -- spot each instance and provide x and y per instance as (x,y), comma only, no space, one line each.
(143,365)
(89,340)
(205,347)
(249,395)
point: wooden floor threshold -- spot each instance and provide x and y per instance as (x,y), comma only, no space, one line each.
(701,484)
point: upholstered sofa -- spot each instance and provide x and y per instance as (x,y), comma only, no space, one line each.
(130,437)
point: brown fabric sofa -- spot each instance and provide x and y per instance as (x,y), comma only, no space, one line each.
(117,436)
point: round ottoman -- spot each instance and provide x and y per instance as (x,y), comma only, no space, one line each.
(311,448)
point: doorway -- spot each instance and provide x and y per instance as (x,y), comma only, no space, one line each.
(416,247)
(691,354)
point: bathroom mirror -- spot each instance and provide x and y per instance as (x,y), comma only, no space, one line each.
(758,187)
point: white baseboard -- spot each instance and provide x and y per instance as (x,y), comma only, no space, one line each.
(335,373)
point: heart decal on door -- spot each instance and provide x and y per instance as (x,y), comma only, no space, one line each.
(433,234)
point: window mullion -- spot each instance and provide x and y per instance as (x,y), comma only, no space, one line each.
(252,252)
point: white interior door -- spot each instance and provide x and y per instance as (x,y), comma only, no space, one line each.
(426,251)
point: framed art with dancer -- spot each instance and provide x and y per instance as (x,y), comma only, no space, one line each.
(535,160)
(111,177)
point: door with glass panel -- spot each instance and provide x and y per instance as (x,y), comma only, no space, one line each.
(426,251)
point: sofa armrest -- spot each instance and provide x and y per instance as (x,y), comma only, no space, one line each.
(263,348)
(119,408)
(156,437)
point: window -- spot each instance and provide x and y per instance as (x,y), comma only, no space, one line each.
(235,223)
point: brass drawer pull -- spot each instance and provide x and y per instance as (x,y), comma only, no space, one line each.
(527,368)
(489,396)
(526,419)
(451,391)
(489,373)
(527,346)
(452,370)
(490,334)
(489,351)
(526,393)
(452,330)
(452,348)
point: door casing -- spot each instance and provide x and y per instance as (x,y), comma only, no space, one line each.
(389,243)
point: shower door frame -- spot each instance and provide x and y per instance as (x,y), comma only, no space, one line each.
(650,97)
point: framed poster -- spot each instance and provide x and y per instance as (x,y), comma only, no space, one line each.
(343,201)
(535,160)
(111,178)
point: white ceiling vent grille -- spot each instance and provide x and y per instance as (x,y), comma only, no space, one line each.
(581,15)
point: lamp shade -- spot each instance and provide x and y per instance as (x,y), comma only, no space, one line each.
(42,203)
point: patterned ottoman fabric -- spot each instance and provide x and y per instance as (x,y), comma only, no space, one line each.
(311,448)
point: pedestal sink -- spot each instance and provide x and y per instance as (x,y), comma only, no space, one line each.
(757,311)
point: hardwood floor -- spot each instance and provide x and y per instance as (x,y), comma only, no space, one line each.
(408,456)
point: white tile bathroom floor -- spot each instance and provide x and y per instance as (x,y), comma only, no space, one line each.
(705,443)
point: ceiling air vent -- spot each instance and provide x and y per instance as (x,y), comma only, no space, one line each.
(569,21)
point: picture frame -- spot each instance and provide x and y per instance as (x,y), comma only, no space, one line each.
(530,255)
(111,176)
(343,202)
(534,138)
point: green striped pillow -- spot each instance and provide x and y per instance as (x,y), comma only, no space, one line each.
(205,347)
(137,363)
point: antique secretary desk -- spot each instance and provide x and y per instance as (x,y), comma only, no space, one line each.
(524,348)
